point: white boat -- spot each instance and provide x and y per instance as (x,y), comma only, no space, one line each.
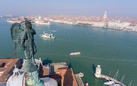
(109,83)
(112,83)
(74,53)
(47,35)
(116,85)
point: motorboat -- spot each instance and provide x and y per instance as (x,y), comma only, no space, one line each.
(112,83)
(109,83)
(74,53)
(47,35)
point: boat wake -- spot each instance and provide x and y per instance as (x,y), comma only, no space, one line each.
(111,59)
(52,30)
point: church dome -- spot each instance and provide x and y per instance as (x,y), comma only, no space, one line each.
(49,81)
(16,79)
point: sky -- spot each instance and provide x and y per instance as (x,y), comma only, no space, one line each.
(114,8)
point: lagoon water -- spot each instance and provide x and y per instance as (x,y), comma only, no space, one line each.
(113,50)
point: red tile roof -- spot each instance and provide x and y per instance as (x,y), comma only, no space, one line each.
(7,68)
(68,78)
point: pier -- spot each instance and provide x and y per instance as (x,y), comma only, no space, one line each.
(78,79)
(102,76)
(111,79)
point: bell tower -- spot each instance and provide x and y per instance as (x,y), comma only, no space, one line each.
(105,18)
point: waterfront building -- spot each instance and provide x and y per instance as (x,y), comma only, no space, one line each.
(118,25)
(98,24)
(129,28)
(85,22)
(40,21)
(135,28)
(13,20)
(101,24)
(7,16)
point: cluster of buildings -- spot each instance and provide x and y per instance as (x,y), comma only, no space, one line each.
(34,20)
(54,74)
(126,24)
(120,23)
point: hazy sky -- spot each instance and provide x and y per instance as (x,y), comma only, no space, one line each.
(115,8)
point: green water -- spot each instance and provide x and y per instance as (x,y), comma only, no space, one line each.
(113,50)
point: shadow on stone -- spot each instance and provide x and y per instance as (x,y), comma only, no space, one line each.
(70,66)
(46,61)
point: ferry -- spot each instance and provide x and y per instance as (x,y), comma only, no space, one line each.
(74,53)
(47,35)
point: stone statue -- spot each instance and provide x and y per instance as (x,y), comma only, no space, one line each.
(24,39)
(29,47)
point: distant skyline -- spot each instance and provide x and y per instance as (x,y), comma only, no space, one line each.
(114,8)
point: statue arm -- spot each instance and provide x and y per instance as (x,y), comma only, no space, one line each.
(34,32)
(24,37)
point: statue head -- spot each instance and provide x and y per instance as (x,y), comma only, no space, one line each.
(25,19)
(28,25)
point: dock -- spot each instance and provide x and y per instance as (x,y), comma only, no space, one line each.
(111,79)
(102,76)
(78,79)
